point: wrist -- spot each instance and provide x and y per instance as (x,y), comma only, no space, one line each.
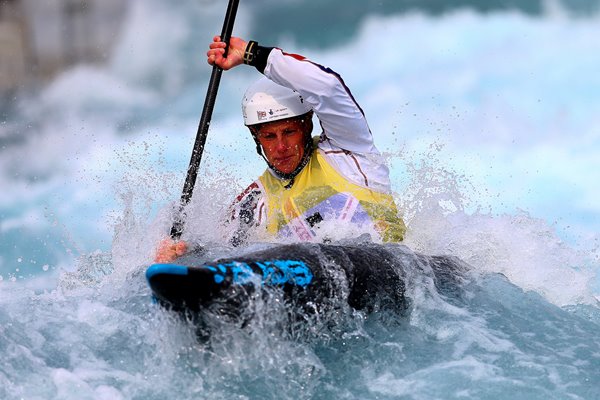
(250,52)
(256,55)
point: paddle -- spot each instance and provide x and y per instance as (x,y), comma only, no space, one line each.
(209,103)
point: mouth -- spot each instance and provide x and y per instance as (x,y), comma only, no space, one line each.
(285,164)
(284,160)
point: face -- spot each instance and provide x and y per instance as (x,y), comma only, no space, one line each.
(283,143)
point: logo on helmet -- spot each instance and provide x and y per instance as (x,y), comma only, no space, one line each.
(261,115)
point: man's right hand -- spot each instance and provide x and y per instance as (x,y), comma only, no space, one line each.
(168,250)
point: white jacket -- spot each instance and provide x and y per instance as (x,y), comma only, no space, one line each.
(346,141)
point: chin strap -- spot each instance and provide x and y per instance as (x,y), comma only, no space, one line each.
(308,150)
(290,184)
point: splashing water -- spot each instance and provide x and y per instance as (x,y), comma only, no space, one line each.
(92,166)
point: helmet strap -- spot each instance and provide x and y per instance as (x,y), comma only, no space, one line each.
(308,150)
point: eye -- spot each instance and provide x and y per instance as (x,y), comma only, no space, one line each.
(290,132)
(267,136)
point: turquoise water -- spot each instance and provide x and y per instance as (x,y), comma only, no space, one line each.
(489,117)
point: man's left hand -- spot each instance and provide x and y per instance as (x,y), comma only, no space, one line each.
(235,54)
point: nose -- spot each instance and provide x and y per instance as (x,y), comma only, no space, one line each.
(282,143)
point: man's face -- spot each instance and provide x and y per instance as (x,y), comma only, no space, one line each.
(283,143)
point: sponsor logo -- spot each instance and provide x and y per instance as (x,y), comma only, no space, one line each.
(261,115)
(270,273)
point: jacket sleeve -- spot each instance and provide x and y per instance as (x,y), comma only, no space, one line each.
(245,214)
(342,120)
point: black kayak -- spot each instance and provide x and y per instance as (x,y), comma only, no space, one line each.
(368,276)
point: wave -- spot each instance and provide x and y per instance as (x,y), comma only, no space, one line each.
(489,122)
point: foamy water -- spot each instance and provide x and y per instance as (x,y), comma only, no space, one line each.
(492,130)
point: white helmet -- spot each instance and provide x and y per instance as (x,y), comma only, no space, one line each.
(266,101)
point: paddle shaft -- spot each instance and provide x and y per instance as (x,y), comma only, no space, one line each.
(209,104)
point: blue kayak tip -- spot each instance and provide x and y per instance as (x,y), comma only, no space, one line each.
(167,269)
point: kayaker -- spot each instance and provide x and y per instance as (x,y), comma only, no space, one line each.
(336,178)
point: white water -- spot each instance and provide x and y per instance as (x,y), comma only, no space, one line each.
(491,123)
